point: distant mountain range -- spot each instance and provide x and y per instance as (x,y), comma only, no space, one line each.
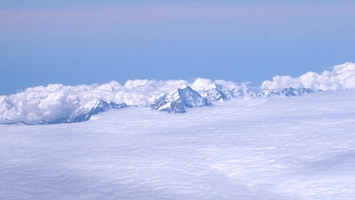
(180,99)
(177,101)
(58,103)
(100,106)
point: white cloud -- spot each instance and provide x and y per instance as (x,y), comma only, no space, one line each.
(248,150)
(200,83)
(54,101)
(341,77)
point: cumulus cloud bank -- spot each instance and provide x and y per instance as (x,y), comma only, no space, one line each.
(56,101)
(339,78)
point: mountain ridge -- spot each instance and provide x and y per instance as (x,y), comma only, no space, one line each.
(176,101)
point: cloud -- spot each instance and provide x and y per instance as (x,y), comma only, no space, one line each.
(47,103)
(339,78)
(54,101)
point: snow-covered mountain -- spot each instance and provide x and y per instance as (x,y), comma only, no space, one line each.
(254,148)
(178,100)
(99,107)
(249,149)
(217,92)
(287,92)
(57,103)
(60,107)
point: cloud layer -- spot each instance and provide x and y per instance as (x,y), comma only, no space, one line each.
(55,101)
(339,78)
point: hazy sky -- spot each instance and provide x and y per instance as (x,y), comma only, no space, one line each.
(84,42)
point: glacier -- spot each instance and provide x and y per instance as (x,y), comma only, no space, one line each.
(275,148)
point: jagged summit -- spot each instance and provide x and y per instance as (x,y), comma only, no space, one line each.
(77,106)
(184,86)
(178,100)
(99,107)
(60,103)
(218,92)
(102,106)
(295,92)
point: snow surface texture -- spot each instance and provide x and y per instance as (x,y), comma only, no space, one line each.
(276,149)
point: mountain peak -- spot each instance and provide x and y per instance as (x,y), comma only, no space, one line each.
(213,86)
(99,107)
(184,86)
(177,100)
(217,92)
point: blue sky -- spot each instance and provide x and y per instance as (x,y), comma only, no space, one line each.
(84,42)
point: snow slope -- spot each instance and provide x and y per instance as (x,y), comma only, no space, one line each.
(180,99)
(277,149)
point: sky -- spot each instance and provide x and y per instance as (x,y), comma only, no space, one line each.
(85,42)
